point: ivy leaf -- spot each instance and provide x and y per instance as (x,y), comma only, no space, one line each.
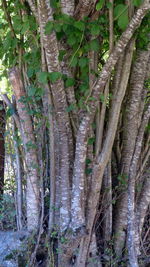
(30,72)
(61,54)
(74,62)
(94,45)
(100,5)
(42,77)
(79,25)
(53,3)
(123,21)
(25,27)
(95,29)
(54,76)
(32,91)
(71,40)
(119,10)
(91,141)
(109,5)
(88,171)
(57,27)
(69,82)
(137,2)
(10,111)
(70,108)
(49,27)
(83,61)
(121,14)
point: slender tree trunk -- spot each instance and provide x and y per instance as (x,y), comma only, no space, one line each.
(19,194)
(132,119)
(31,159)
(2,147)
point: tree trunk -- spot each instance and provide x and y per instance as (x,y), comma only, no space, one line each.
(2,147)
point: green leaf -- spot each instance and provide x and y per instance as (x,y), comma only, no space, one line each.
(109,5)
(88,161)
(49,27)
(137,2)
(79,25)
(25,27)
(70,108)
(61,54)
(100,5)
(119,10)
(74,62)
(30,72)
(54,76)
(10,112)
(83,61)
(95,29)
(94,45)
(53,3)
(32,91)
(42,77)
(102,98)
(121,14)
(71,40)
(91,141)
(123,21)
(88,171)
(69,82)
(57,27)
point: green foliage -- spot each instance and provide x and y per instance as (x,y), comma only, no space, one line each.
(69,82)
(7,212)
(121,15)
(10,112)
(49,27)
(143,33)
(100,4)
(43,77)
(137,2)
(54,76)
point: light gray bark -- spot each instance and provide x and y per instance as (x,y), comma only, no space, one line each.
(132,234)
(31,159)
(60,105)
(132,118)
(78,178)
(103,158)
(19,195)
(67,7)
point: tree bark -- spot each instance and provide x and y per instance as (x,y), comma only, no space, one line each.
(2,146)
(31,159)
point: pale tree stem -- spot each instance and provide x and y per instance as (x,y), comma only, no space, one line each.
(60,105)
(30,151)
(78,178)
(18,179)
(131,124)
(104,156)
(132,250)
